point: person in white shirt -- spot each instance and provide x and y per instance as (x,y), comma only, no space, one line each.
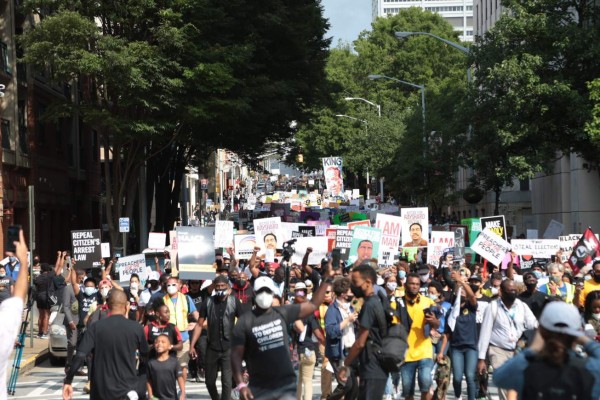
(11,312)
(504,321)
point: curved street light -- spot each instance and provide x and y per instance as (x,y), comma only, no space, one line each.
(401,35)
(366,101)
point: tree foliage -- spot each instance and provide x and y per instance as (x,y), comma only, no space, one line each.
(531,97)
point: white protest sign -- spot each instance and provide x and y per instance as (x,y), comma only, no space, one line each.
(244,246)
(538,248)
(554,230)
(287,228)
(135,264)
(269,233)
(223,234)
(391,229)
(490,246)
(567,242)
(156,240)
(318,244)
(105,250)
(440,241)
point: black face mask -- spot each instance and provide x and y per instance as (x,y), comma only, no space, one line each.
(509,297)
(530,286)
(597,278)
(152,317)
(241,282)
(349,298)
(474,288)
(357,291)
(277,279)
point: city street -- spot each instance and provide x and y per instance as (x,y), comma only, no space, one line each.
(45,382)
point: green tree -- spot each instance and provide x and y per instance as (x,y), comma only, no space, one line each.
(531,99)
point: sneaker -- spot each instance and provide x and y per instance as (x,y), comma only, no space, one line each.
(44,336)
(81,372)
(87,387)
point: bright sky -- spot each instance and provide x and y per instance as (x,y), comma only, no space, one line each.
(347,18)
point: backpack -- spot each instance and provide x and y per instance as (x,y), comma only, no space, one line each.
(571,381)
(393,341)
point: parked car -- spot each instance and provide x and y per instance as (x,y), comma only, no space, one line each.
(57,341)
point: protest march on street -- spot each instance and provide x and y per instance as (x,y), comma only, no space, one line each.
(381,301)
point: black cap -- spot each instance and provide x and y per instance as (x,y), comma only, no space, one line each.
(476,278)
(223,267)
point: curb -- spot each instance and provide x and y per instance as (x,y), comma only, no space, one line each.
(33,361)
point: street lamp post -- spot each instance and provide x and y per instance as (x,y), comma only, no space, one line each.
(366,125)
(366,101)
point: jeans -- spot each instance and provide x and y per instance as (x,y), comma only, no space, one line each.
(409,372)
(216,360)
(305,375)
(464,361)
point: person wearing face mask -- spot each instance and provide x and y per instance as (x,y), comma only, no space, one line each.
(199,293)
(219,311)
(133,294)
(591,311)
(181,307)
(535,299)
(492,287)
(152,288)
(242,290)
(260,338)
(340,334)
(99,309)
(589,285)
(504,321)
(425,276)
(557,287)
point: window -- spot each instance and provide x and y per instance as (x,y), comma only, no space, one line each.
(4,59)
(23,145)
(95,145)
(524,185)
(5,133)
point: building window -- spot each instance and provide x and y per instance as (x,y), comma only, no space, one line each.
(95,145)
(4,59)
(524,185)
(5,133)
(23,145)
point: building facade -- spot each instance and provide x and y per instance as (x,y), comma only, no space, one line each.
(58,158)
(459,13)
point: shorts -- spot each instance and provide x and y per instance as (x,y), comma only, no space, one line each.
(183,356)
(43,304)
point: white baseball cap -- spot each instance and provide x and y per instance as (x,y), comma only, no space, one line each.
(561,317)
(300,286)
(264,282)
(154,276)
(206,284)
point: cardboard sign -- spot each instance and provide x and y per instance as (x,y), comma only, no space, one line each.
(269,233)
(567,243)
(105,250)
(320,227)
(415,226)
(461,235)
(439,242)
(333,172)
(244,246)
(307,231)
(86,248)
(391,229)
(538,248)
(156,240)
(365,244)
(135,264)
(330,234)
(318,244)
(491,246)
(223,234)
(343,241)
(196,252)
(173,237)
(496,224)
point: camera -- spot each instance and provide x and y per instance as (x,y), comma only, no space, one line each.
(288,249)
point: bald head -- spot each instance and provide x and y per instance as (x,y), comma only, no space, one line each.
(117,300)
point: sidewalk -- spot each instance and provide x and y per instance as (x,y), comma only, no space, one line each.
(31,356)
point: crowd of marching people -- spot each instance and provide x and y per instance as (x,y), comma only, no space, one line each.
(265,327)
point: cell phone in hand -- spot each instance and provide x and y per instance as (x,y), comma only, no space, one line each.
(12,236)
(335,258)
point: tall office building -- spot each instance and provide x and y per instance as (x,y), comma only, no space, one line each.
(459,13)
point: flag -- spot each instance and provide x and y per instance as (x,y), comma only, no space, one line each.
(586,249)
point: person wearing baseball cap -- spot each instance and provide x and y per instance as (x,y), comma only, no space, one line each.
(260,338)
(550,364)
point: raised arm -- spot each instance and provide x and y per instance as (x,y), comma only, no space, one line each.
(21,284)
(253,263)
(309,307)
(307,268)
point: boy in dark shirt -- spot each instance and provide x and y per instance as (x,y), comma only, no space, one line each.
(162,326)
(164,372)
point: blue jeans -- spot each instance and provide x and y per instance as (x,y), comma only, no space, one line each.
(464,361)
(409,372)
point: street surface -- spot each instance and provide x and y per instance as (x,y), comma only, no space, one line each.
(45,382)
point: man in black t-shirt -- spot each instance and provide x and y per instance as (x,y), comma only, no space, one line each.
(372,326)
(115,341)
(260,337)
(198,294)
(219,311)
(535,299)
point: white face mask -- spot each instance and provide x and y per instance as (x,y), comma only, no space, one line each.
(133,286)
(172,289)
(433,297)
(494,291)
(392,286)
(104,292)
(90,290)
(596,316)
(424,278)
(264,300)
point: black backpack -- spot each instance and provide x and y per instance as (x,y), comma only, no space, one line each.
(393,344)
(571,381)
